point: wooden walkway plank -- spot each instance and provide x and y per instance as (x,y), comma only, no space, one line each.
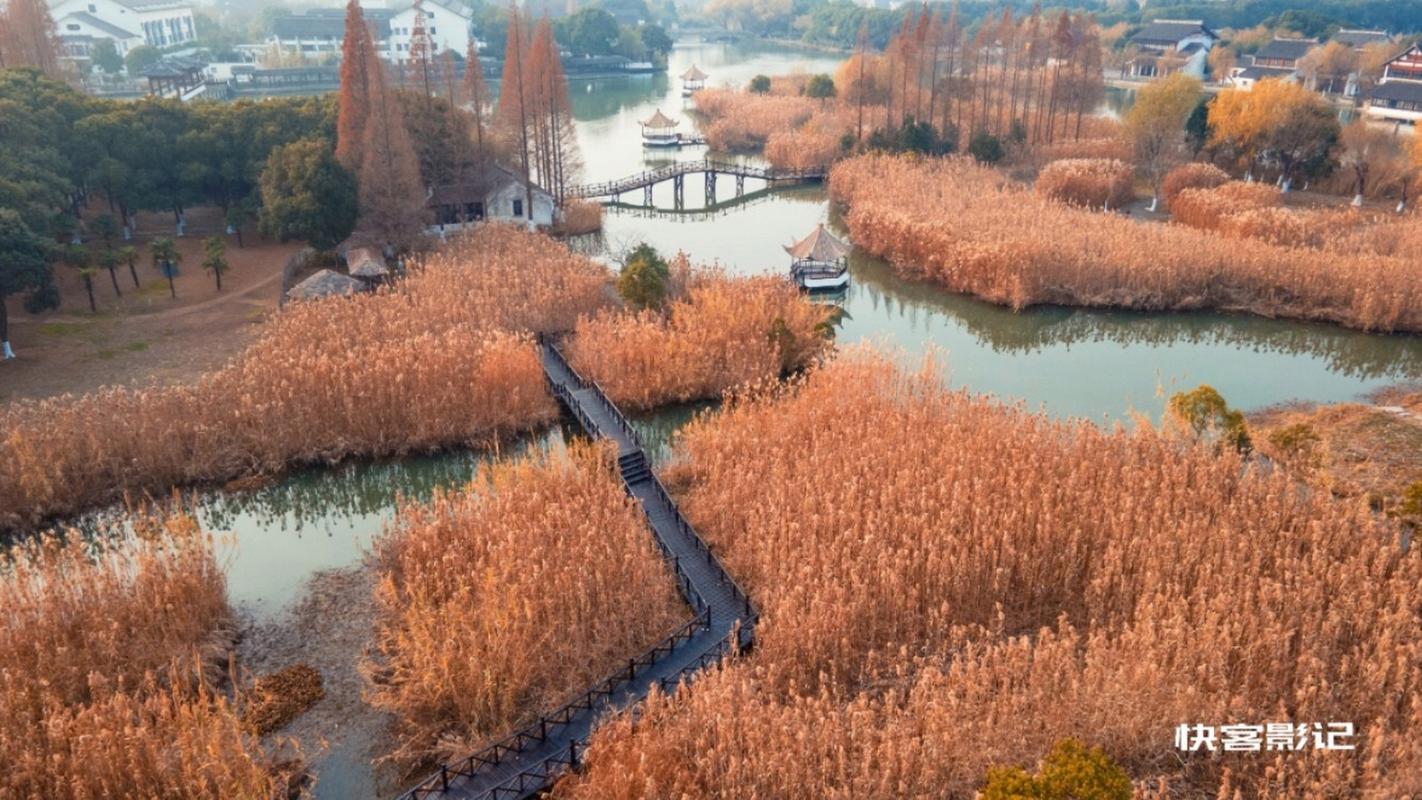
(723,621)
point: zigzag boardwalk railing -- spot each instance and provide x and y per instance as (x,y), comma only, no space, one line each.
(710,167)
(723,620)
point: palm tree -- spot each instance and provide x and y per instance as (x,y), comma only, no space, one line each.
(216,261)
(128,254)
(166,259)
(77,256)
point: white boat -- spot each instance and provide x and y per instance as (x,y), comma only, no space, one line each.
(819,262)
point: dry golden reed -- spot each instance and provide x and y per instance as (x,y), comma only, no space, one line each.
(499,601)
(994,240)
(442,358)
(948,584)
(1195,175)
(741,121)
(722,333)
(107,654)
(1101,183)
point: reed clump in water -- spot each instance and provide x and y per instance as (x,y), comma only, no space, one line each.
(500,601)
(720,333)
(947,584)
(108,658)
(992,239)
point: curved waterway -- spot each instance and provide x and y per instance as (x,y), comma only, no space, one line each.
(1066,362)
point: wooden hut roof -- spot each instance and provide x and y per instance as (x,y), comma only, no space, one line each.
(821,245)
(694,74)
(363,262)
(325,283)
(660,120)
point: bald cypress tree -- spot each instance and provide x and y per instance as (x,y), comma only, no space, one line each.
(422,67)
(30,41)
(515,100)
(357,56)
(392,197)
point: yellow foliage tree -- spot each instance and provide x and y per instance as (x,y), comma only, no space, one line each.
(1277,117)
(1156,123)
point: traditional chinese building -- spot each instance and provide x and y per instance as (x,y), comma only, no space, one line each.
(1398,97)
(692,81)
(660,131)
(819,261)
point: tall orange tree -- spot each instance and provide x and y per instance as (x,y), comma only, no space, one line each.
(357,56)
(392,197)
(514,113)
(476,96)
(28,35)
(422,64)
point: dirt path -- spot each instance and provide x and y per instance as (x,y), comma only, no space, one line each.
(143,336)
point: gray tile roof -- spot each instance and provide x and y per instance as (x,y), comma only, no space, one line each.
(1287,49)
(1171,30)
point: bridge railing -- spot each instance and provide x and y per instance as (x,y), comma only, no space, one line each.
(655,176)
(537,732)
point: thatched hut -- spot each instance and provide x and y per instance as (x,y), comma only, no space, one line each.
(326,283)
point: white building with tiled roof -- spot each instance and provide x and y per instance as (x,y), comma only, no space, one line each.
(157,23)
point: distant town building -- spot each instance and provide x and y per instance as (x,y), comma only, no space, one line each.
(320,32)
(1283,53)
(157,23)
(1398,96)
(447,23)
(1171,45)
(1359,39)
(81,24)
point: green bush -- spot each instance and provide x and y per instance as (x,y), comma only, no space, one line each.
(643,282)
(986,148)
(1072,771)
(760,84)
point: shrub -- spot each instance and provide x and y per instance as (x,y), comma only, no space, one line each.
(1088,182)
(985,148)
(1204,413)
(1195,175)
(643,282)
(760,84)
(1072,771)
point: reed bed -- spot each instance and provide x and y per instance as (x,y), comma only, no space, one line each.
(722,333)
(742,122)
(442,358)
(1256,211)
(994,240)
(1100,183)
(500,601)
(1017,581)
(107,657)
(1195,175)
(580,217)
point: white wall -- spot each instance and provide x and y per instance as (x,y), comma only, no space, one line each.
(449,31)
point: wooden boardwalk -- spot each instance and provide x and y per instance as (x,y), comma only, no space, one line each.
(723,621)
